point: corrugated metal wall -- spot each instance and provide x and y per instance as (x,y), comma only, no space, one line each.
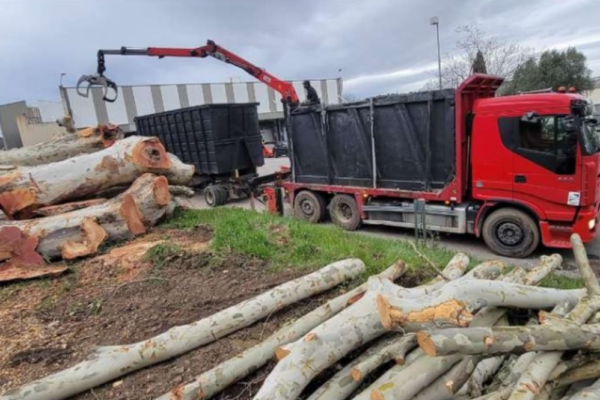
(142,100)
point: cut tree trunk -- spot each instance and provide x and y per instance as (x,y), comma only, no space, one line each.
(218,378)
(588,371)
(351,328)
(485,370)
(448,384)
(109,362)
(510,339)
(389,375)
(355,326)
(424,371)
(62,146)
(343,383)
(66,207)
(395,350)
(348,379)
(18,258)
(589,393)
(455,269)
(22,192)
(535,378)
(79,233)
(453,304)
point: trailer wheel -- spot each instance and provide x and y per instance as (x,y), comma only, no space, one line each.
(215,195)
(344,212)
(309,206)
(510,232)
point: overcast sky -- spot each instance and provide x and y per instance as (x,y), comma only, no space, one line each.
(380,45)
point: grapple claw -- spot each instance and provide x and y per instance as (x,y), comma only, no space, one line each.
(97,81)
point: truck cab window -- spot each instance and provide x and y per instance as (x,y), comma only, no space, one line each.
(542,140)
(537,135)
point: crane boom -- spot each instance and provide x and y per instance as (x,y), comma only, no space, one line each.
(286,89)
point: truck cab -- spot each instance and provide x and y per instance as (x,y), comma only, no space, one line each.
(535,166)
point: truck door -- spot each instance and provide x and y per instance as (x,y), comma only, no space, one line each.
(545,166)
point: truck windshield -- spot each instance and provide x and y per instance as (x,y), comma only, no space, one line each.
(590,142)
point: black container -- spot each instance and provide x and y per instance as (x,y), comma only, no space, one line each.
(217,138)
(409,138)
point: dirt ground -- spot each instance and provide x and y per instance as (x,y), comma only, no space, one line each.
(122,297)
(134,291)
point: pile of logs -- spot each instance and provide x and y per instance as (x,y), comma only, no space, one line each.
(455,337)
(66,197)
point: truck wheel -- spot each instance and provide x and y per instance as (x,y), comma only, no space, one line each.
(223,195)
(344,212)
(309,206)
(510,232)
(215,195)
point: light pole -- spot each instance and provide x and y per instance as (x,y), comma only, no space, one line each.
(436,21)
(62,75)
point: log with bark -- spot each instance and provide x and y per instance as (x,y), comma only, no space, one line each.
(352,328)
(79,233)
(450,306)
(62,146)
(18,258)
(109,362)
(218,378)
(23,191)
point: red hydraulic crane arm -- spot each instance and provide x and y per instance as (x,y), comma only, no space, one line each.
(286,89)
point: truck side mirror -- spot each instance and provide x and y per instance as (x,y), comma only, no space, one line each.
(531,117)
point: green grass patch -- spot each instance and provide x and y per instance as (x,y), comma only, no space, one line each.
(286,242)
(562,282)
(161,254)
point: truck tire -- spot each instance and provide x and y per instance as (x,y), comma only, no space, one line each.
(223,194)
(215,195)
(309,206)
(344,212)
(510,232)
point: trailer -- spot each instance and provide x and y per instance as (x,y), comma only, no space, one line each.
(457,161)
(223,142)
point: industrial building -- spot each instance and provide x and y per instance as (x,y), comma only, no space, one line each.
(133,101)
(24,125)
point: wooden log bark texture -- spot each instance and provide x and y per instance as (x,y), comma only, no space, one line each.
(79,233)
(23,191)
(63,146)
(18,258)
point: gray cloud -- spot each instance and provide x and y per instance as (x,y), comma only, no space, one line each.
(380,46)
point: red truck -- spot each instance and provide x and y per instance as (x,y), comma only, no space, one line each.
(515,170)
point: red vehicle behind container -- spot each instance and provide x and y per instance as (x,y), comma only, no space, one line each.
(526,172)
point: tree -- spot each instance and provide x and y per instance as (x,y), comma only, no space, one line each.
(498,57)
(479,64)
(552,70)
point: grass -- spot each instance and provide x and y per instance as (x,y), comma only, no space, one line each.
(160,255)
(562,282)
(286,242)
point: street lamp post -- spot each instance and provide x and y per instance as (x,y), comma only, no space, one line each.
(436,21)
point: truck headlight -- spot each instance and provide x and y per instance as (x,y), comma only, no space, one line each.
(592,224)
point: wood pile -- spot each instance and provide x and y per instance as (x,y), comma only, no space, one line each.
(455,337)
(64,198)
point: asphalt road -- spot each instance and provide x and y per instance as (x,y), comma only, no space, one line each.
(464,243)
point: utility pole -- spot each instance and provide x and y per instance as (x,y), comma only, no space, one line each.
(436,21)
